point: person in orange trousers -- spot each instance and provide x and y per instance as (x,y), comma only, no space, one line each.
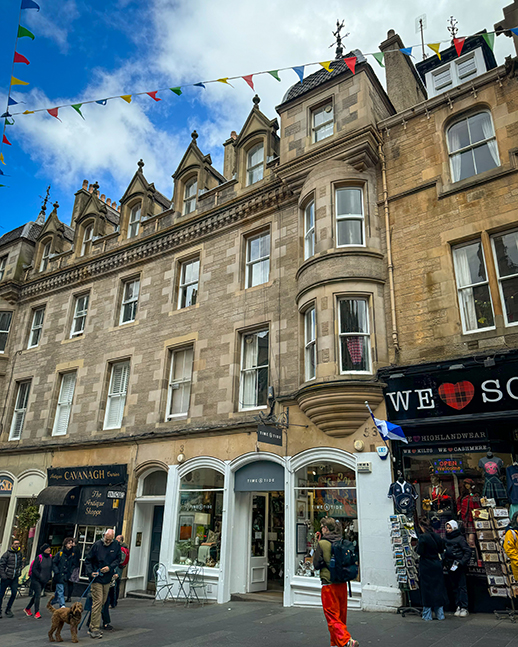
(334,595)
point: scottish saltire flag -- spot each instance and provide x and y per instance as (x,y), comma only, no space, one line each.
(388,430)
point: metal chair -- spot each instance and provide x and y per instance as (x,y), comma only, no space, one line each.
(161,583)
(196,582)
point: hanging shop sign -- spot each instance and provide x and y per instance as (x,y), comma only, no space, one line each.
(88,475)
(6,486)
(457,389)
(448,466)
(96,507)
(269,434)
(260,476)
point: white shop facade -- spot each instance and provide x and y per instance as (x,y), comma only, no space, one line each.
(251,522)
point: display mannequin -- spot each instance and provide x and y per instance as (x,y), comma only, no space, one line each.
(403,495)
(512,487)
(493,486)
(437,493)
(466,503)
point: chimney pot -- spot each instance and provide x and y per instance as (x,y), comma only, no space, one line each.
(108,201)
(114,205)
(391,33)
(233,134)
(91,188)
(85,185)
(103,197)
(119,208)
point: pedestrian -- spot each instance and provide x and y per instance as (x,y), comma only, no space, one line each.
(100,564)
(41,572)
(74,573)
(456,560)
(334,595)
(113,596)
(11,564)
(62,566)
(430,547)
(511,544)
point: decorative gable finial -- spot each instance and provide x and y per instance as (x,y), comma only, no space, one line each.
(256,101)
(453,29)
(339,49)
(56,207)
(194,136)
(95,187)
(140,165)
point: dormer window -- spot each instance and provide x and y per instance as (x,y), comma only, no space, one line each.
(442,79)
(466,67)
(45,257)
(472,146)
(191,192)
(134,221)
(86,247)
(255,164)
(322,120)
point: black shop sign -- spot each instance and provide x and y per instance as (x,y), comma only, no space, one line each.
(457,390)
(96,507)
(88,475)
(269,434)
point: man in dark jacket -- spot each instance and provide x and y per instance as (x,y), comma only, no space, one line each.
(100,563)
(11,564)
(40,574)
(456,560)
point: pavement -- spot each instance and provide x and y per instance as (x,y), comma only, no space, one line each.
(140,623)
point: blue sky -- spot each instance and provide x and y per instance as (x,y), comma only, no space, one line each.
(90,50)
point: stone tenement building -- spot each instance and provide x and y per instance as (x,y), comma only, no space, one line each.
(194,371)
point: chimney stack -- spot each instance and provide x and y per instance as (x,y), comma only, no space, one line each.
(85,185)
(404,85)
(108,201)
(103,198)
(114,205)
(91,188)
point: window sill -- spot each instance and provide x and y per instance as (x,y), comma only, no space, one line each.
(178,416)
(475,180)
(247,409)
(257,287)
(193,307)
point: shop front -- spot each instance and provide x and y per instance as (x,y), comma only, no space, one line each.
(82,502)
(461,421)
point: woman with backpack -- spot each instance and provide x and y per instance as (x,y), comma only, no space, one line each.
(40,573)
(334,594)
(430,547)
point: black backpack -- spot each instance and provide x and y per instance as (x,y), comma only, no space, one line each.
(344,562)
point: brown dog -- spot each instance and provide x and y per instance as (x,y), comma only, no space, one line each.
(60,616)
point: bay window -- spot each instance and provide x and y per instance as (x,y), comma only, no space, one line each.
(354,333)
(309,230)
(349,217)
(310,344)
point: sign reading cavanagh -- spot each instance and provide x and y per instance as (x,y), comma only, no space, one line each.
(88,475)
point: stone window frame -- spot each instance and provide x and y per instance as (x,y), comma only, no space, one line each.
(362,186)
(247,237)
(74,314)
(168,417)
(7,330)
(61,402)
(182,264)
(255,143)
(3,265)
(368,298)
(44,256)
(36,327)
(242,334)
(189,180)
(500,279)
(18,409)
(310,345)
(122,301)
(313,110)
(134,207)
(86,243)
(308,200)
(110,396)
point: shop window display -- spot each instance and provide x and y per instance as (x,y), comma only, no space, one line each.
(323,489)
(200,518)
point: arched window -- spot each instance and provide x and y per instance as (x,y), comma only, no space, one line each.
(155,484)
(190,195)
(200,518)
(472,146)
(255,164)
(45,257)
(134,221)
(86,247)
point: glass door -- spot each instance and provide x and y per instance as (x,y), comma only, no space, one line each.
(258,572)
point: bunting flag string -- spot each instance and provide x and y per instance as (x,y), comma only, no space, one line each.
(29,4)
(435,47)
(300,72)
(77,108)
(326,65)
(459,44)
(18,58)
(54,113)
(153,95)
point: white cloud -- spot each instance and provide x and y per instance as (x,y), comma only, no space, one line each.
(54,21)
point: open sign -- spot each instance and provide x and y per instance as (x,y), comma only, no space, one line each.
(448,466)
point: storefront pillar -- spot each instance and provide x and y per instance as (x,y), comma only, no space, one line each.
(226,536)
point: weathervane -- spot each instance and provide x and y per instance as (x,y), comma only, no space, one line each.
(41,216)
(338,43)
(453,29)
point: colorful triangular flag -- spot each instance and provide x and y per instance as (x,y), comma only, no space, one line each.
(514,30)
(23,31)
(53,112)
(326,65)
(459,44)
(490,40)
(77,108)
(1,172)
(435,47)
(6,141)
(406,50)
(12,102)
(19,58)
(350,61)
(275,74)
(380,57)
(126,97)
(198,85)
(5,115)
(4,185)
(30,4)
(225,80)
(2,158)
(153,95)
(15,81)
(177,91)
(248,79)
(102,102)
(9,123)
(28,112)
(300,72)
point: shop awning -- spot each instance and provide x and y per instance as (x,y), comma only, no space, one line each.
(59,495)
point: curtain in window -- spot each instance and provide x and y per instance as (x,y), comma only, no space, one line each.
(467,302)
(487,129)
(250,352)
(454,143)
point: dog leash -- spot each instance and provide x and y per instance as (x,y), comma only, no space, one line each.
(85,592)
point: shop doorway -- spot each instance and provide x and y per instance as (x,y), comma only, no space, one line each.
(154,549)
(266,565)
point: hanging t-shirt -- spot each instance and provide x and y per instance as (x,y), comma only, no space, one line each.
(404,496)
(512,483)
(491,466)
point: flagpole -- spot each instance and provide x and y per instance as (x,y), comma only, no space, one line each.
(372,416)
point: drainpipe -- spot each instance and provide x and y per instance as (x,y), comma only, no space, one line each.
(395,334)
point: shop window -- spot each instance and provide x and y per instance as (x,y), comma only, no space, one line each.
(505,250)
(257,259)
(310,341)
(309,230)
(134,221)
(354,335)
(20,409)
(3,265)
(476,308)
(255,164)
(324,489)
(117,395)
(188,288)
(200,518)
(322,122)
(64,406)
(88,235)
(180,377)
(45,257)
(79,318)
(36,327)
(5,324)
(472,146)
(130,292)
(86,538)
(190,195)
(253,391)
(349,217)
(155,484)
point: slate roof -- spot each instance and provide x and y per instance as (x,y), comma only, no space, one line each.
(161,199)
(321,76)
(29,231)
(69,233)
